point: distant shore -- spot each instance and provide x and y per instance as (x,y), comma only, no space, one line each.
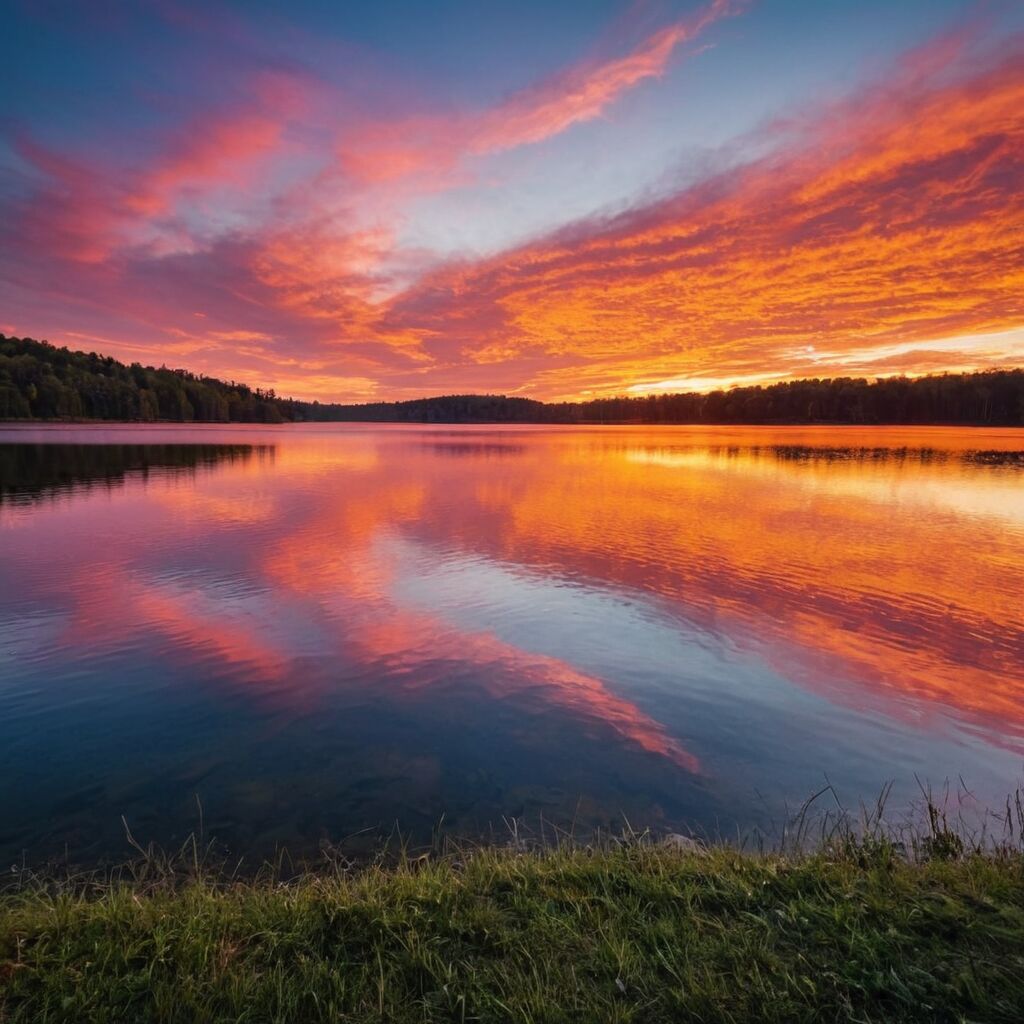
(42,383)
(808,425)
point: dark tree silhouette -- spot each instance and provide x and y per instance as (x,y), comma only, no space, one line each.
(41,381)
(991,398)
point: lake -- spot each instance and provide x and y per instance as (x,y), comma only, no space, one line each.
(302,635)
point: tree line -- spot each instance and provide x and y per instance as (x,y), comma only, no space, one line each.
(991,398)
(43,382)
(40,381)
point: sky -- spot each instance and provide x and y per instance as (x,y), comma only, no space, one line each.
(381,201)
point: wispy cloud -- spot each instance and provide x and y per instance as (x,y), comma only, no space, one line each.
(581,92)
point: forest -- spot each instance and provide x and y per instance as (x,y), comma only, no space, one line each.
(39,381)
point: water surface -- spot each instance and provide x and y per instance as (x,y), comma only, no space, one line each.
(315,632)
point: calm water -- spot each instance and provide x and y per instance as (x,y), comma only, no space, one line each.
(322,630)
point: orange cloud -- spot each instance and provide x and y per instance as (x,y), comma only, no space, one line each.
(880,234)
(905,230)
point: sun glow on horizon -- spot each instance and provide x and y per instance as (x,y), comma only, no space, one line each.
(998,350)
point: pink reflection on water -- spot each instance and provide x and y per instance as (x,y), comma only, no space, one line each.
(882,570)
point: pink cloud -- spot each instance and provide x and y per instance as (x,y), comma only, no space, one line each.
(584,92)
(890,219)
(433,146)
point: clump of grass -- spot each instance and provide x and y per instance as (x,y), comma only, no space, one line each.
(862,927)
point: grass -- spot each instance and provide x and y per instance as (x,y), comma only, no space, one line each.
(859,930)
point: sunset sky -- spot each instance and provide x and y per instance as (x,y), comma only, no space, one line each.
(356,201)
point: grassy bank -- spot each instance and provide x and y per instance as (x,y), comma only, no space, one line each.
(637,933)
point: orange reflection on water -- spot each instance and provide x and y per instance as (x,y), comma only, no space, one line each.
(889,578)
(880,569)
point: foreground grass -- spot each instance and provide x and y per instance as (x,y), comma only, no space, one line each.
(639,933)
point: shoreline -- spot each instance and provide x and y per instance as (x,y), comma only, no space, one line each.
(780,425)
(656,933)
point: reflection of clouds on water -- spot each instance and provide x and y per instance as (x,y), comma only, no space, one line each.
(653,618)
(903,597)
